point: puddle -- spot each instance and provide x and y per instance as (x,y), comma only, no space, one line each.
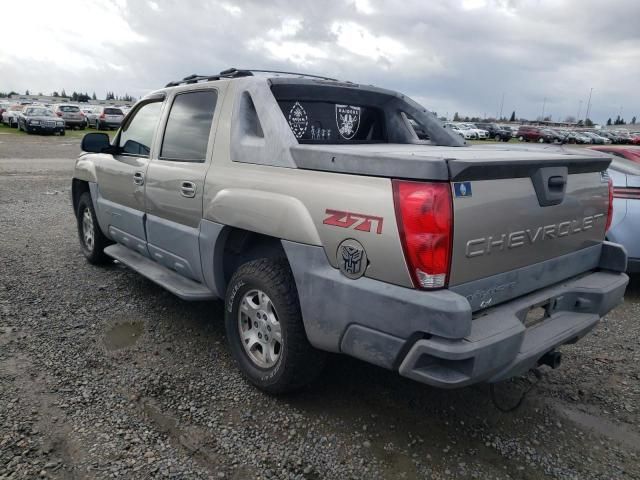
(123,335)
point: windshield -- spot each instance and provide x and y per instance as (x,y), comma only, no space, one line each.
(38,112)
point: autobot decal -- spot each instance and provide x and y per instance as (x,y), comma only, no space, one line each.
(357,221)
(347,120)
(298,120)
(352,259)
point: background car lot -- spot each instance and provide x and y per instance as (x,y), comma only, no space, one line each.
(105,373)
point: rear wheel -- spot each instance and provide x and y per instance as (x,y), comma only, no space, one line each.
(92,240)
(521,138)
(265,330)
(541,140)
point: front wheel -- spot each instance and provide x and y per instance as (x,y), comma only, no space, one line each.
(92,240)
(265,330)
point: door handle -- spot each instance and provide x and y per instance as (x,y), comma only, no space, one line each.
(188,189)
(138,178)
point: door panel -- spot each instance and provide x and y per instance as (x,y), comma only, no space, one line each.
(121,178)
(175,183)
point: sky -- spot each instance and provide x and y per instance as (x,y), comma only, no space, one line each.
(449,55)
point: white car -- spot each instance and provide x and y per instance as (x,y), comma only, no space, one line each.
(464,133)
(480,133)
(10,116)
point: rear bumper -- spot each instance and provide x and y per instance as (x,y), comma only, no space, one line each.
(433,337)
(500,346)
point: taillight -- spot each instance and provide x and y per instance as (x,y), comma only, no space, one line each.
(102,116)
(610,208)
(59,114)
(425,221)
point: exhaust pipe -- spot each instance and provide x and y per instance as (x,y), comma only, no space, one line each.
(552,359)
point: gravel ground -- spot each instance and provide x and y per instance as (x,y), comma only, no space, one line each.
(105,375)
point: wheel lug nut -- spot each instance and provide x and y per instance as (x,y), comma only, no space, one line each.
(268,328)
(255,324)
(266,337)
(259,335)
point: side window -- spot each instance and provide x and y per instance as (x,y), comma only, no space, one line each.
(136,136)
(187,132)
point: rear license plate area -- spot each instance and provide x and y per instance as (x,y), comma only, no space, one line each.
(537,314)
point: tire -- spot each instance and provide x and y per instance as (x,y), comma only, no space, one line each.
(541,140)
(268,292)
(92,249)
(497,138)
(521,138)
(63,133)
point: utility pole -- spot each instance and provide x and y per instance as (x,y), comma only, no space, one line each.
(501,105)
(544,103)
(588,105)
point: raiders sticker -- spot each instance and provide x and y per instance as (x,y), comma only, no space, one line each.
(347,120)
(298,120)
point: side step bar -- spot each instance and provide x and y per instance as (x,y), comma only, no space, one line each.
(180,286)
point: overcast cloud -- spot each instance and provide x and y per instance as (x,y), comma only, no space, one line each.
(450,55)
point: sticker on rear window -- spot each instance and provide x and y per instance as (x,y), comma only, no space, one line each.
(462,189)
(298,120)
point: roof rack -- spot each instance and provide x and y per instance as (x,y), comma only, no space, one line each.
(235,73)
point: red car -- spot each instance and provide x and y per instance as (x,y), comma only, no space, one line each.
(635,138)
(630,153)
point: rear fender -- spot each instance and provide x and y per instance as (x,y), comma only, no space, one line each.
(274,214)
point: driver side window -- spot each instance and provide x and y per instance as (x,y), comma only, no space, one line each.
(137,135)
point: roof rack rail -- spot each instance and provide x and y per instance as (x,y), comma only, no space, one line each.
(235,73)
(250,71)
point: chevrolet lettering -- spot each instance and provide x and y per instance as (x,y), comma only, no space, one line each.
(520,238)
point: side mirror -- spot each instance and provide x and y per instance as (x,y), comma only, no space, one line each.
(95,142)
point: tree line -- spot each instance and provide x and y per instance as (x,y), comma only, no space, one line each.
(77,96)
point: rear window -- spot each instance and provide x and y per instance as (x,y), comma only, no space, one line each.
(113,111)
(333,122)
(69,108)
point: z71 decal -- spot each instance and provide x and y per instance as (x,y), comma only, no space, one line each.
(357,221)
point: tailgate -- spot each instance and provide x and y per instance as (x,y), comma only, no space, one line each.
(510,215)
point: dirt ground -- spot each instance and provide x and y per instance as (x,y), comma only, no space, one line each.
(105,375)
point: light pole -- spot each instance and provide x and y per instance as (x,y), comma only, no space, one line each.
(588,106)
(501,105)
(544,103)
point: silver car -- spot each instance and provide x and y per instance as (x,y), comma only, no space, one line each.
(104,118)
(71,114)
(625,225)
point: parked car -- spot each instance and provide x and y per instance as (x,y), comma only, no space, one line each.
(72,115)
(467,134)
(498,133)
(3,108)
(625,225)
(480,133)
(595,139)
(40,120)
(10,115)
(630,153)
(209,199)
(635,138)
(528,133)
(107,118)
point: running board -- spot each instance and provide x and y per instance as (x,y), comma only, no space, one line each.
(180,286)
